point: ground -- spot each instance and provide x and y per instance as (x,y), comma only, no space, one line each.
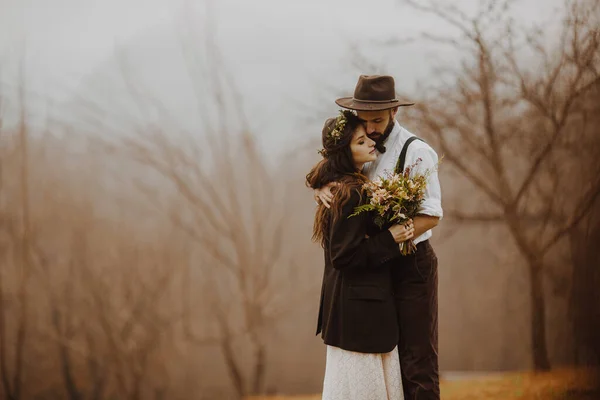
(556,385)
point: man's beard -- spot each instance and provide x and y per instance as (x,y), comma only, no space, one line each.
(380,138)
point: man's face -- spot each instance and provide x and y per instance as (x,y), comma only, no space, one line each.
(377,123)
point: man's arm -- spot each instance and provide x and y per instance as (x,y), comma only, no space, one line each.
(423,223)
(430,211)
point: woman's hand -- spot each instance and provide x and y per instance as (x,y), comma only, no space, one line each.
(402,233)
(324,194)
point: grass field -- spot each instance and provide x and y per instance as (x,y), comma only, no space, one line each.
(555,385)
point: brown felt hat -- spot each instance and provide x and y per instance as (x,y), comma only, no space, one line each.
(373,93)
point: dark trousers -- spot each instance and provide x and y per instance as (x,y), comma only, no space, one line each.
(415,283)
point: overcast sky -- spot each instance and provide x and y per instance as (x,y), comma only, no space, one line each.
(279,52)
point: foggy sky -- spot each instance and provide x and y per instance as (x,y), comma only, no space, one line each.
(279,52)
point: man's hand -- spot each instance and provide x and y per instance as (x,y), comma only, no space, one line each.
(324,194)
(401,233)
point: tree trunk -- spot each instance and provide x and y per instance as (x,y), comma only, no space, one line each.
(539,347)
(538,318)
(232,366)
(584,301)
(259,364)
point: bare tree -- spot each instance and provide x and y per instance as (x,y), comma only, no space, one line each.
(232,211)
(102,290)
(217,188)
(584,301)
(3,224)
(108,303)
(12,376)
(503,127)
(115,296)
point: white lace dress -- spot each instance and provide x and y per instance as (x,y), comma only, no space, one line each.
(362,376)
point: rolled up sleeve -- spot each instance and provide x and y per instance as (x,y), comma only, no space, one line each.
(432,203)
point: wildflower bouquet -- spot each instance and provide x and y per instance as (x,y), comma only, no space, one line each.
(395,199)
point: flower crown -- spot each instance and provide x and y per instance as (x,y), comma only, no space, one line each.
(338,130)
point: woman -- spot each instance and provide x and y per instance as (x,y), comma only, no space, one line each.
(357,318)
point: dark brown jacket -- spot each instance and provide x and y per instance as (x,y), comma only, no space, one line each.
(357,310)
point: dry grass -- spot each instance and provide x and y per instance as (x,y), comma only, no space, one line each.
(556,385)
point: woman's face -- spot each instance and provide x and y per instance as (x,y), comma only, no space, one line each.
(362,148)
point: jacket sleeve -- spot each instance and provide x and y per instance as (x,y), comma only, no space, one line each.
(348,246)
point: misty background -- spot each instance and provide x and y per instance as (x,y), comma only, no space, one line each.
(155,226)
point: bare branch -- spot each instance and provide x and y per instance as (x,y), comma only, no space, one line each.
(474,217)
(449,14)
(457,161)
(583,209)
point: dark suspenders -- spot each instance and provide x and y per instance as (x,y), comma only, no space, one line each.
(402,159)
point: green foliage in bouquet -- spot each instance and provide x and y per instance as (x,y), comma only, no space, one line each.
(395,198)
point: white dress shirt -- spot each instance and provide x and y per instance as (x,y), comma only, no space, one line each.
(386,162)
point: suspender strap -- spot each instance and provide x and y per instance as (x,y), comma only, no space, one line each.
(402,159)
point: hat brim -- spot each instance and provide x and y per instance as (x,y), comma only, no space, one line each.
(351,104)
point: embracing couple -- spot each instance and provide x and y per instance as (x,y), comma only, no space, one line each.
(378,312)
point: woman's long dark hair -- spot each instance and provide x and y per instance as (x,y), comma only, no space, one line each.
(337,166)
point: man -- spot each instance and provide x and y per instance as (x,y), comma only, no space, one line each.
(415,278)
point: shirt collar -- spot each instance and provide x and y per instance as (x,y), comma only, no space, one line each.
(394,134)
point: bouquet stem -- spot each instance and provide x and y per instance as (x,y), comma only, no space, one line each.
(407,247)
